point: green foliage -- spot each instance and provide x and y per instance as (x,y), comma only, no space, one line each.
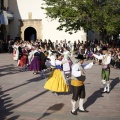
(97,15)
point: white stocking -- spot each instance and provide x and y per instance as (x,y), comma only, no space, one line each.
(81,104)
(73,105)
(18,62)
(104,85)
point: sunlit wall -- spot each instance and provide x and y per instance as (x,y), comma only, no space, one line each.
(21,8)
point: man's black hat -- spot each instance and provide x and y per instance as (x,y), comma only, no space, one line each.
(104,48)
(80,57)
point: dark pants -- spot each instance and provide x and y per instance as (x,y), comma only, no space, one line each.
(78,92)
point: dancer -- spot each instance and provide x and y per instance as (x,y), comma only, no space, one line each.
(43,59)
(77,83)
(51,63)
(35,63)
(50,52)
(56,82)
(15,51)
(24,60)
(31,54)
(20,53)
(106,59)
(67,66)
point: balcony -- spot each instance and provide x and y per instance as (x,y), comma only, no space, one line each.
(5,16)
(9,15)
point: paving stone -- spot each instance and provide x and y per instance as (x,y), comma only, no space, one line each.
(22,96)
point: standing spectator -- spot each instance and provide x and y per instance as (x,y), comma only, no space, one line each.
(10,46)
(75,46)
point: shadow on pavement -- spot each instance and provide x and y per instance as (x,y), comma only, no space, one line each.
(5,111)
(90,100)
(8,69)
(97,94)
(5,102)
(51,110)
(6,105)
(28,81)
(114,82)
(26,101)
(14,117)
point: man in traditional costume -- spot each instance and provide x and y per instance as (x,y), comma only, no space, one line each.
(106,59)
(77,83)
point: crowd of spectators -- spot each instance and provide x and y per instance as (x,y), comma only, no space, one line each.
(86,48)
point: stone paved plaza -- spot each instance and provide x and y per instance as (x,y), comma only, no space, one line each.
(22,96)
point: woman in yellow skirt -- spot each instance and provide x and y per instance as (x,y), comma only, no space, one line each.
(56,82)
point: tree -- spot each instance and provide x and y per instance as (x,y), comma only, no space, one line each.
(102,16)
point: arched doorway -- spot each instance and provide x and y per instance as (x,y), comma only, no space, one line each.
(30,34)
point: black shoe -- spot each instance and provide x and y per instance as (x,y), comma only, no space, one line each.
(74,113)
(104,92)
(83,110)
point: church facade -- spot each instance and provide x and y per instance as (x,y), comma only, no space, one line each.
(30,23)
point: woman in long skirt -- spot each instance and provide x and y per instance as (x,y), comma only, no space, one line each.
(24,60)
(15,51)
(35,63)
(67,66)
(56,82)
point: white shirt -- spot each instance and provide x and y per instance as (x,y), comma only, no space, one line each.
(58,62)
(66,54)
(29,46)
(52,58)
(100,57)
(49,53)
(76,68)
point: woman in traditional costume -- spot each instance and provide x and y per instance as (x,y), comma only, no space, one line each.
(35,63)
(15,52)
(51,63)
(30,57)
(24,59)
(67,66)
(56,82)
(20,53)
